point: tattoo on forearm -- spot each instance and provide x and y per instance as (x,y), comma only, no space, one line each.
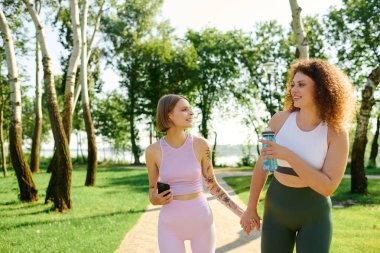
(218,192)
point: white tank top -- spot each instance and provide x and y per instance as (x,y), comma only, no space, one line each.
(311,146)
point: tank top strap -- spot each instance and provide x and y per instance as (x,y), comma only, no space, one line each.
(290,122)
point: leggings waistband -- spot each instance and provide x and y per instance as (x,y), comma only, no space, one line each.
(286,170)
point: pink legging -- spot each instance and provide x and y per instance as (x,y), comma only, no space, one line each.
(183,220)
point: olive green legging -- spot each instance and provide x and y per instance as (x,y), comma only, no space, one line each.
(298,216)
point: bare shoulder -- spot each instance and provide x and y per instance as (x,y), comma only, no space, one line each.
(153,149)
(278,119)
(200,142)
(338,137)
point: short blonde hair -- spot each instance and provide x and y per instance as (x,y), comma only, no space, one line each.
(165,105)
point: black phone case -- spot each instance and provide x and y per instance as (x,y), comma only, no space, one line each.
(162,187)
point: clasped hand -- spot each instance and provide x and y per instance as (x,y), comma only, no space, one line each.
(250,220)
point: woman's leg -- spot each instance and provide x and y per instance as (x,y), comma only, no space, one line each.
(170,230)
(204,242)
(279,222)
(315,235)
(275,237)
(169,243)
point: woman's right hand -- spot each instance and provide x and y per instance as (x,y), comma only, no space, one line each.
(160,199)
(250,220)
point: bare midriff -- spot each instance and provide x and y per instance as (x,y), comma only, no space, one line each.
(289,180)
(187,196)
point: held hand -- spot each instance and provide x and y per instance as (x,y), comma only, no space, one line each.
(250,220)
(160,199)
(274,150)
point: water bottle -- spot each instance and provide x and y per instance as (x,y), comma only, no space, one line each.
(271,164)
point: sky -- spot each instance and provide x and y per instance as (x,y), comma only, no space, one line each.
(224,15)
(239,14)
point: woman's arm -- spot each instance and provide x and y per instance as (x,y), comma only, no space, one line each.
(250,218)
(154,197)
(326,180)
(211,183)
(259,177)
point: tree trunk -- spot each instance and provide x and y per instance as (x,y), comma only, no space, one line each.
(91,144)
(28,190)
(59,189)
(299,31)
(358,178)
(204,121)
(70,79)
(89,52)
(3,157)
(214,151)
(2,145)
(135,147)
(375,145)
(36,139)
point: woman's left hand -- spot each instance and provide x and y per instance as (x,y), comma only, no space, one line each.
(274,150)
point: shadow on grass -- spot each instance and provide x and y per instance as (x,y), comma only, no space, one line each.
(70,220)
(136,183)
(14,205)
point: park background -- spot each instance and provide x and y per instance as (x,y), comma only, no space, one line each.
(229,57)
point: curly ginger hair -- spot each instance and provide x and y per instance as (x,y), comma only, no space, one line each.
(334,92)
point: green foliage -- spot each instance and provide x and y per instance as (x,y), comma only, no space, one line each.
(316,37)
(166,67)
(354,30)
(110,122)
(269,43)
(217,68)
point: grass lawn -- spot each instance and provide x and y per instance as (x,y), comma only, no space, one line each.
(369,170)
(98,222)
(356,229)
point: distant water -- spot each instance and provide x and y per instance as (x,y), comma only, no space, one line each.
(229,155)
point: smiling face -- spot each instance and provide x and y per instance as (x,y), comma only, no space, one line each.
(303,90)
(182,115)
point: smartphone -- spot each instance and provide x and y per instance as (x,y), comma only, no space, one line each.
(162,187)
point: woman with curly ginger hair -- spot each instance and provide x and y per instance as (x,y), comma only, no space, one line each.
(311,150)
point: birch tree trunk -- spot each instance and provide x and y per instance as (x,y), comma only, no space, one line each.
(299,31)
(358,178)
(91,144)
(59,189)
(72,70)
(36,139)
(70,79)
(89,52)
(28,190)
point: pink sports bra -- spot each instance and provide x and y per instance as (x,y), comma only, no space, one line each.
(180,168)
